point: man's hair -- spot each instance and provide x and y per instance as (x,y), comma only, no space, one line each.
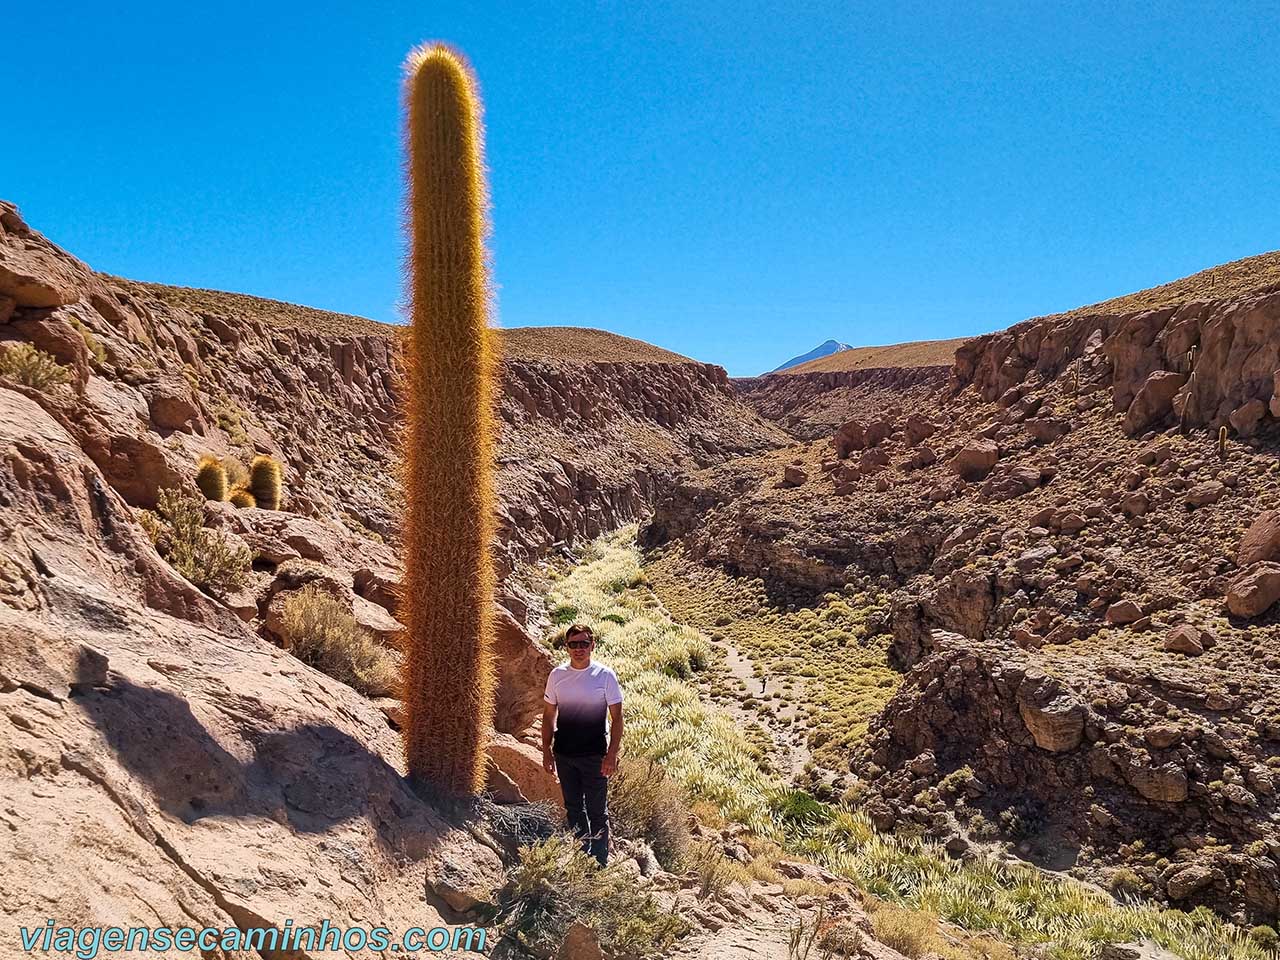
(577,629)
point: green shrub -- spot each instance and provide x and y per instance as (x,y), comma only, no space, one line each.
(32,367)
(203,556)
(555,883)
(322,633)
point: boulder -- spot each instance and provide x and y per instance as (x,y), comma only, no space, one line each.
(975,460)
(523,667)
(1154,401)
(1253,592)
(172,407)
(521,763)
(1261,541)
(1054,719)
(1184,639)
(1246,418)
(1204,494)
(580,943)
(917,428)
(1123,612)
(793,476)
(1189,880)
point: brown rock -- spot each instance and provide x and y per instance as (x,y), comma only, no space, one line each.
(1262,540)
(975,460)
(1184,639)
(1253,592)
(521,763)
(917,428)
(1189,880)
(580,943)
(1055,720)
(172,407)
(523,667)
(1204,494)
(1154,401)
(1246,418)
(793,476)
(1123,612)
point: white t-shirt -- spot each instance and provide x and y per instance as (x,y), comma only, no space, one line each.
(582,698)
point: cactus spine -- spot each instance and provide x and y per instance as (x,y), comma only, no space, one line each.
(449,388)
(211,478)
(265,482)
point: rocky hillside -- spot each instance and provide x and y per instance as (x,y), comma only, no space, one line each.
(1082,578)
(593,424)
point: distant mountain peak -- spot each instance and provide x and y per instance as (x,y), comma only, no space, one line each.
(824,349)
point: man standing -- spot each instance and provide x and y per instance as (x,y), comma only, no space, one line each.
(579,697)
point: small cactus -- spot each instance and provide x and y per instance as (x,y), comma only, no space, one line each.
(1191,360)
(265,482)
(211,478)
(240,497)
(1222,442)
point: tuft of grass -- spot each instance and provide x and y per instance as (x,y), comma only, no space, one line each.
(30,366)
(555,883)
(321,632)
(644,803)
(203,556)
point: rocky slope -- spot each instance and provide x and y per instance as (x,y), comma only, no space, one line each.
(164,760)
(1082,584)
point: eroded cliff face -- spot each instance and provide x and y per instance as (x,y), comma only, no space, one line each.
(1082,585)
(1203,363)
(162,375)
(813,405)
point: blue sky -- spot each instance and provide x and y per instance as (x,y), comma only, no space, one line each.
(734,181)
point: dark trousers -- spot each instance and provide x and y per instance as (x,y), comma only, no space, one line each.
(586,802)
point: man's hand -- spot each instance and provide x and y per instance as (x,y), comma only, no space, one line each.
(548,761)
(609,766)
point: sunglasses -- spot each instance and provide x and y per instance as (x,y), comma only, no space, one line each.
(578,644)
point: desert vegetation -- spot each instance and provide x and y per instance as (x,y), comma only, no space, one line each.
(204,556)
(32,367)
(321,632)
(925,891)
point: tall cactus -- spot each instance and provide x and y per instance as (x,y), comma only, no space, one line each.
(449,387)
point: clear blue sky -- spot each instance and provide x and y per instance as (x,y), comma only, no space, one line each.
(731,180)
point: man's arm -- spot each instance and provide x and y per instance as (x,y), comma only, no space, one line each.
(609,766)
(548,725)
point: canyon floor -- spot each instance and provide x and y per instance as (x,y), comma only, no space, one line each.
(941,647)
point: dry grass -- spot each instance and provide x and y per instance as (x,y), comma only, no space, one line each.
(644,803)
(583,344)
(321,632)
(823,658)
(921,353)
(1225,280)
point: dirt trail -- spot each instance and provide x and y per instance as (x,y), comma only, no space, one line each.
(739,670)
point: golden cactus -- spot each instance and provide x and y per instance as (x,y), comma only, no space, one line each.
(450,370)
(265,482)
(1222,442)
(240,497)
(211,478)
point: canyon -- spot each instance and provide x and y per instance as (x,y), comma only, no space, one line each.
(1068,526)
